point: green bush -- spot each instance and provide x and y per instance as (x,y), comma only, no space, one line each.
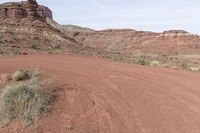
(184,66)
(34,46)
(142,61)
(24,101)
(57,47)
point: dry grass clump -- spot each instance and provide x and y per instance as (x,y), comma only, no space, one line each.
(184,66)
(20,75)
(24,74)
(195,69)
(142,61)
(24,101)
(155,63)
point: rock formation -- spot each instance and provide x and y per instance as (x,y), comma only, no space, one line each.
(132,41)
(25,12)
(177,34)
(128,41)
(23,26)
(27,23)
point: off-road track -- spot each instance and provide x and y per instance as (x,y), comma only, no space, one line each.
(99,96)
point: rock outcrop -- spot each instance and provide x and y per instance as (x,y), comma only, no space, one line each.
(25,12)
(23,26)
(47,12)
(70,30)
(177,34)
(26,23)
(127,40)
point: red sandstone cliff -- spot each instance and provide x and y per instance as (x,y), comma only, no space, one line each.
(23,27)
(25,12)
(30,23)
(126,40)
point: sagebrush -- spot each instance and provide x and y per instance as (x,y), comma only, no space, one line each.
(24,101)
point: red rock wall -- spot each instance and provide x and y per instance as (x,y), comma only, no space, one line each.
(48,12)
(25,12)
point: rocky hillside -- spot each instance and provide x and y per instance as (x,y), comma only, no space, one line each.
(170,42)
(69,30)
(127,40)
(27,27)
(174,47)
(24,29)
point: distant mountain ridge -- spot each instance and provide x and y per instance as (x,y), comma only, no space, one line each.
(70,30)
(130,40)
(173,46)
(28,26)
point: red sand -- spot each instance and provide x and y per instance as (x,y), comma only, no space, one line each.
(98,96)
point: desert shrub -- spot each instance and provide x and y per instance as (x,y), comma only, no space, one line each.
(25,74)
(35,46)
(142,61)
(1,51)
(57,47)
(184,66)
(24,101)
(35,72)
(50,51)
(21,75)
(155,63)
(15,51)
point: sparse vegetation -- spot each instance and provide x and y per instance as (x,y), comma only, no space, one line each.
(21,75)
(134,59)
(1,52)
(34,46)
(57,47)
(15,51)
(24,100)
(165,65)
(184,66)
(50,51)
(25,74)
(155,63)
(142,61)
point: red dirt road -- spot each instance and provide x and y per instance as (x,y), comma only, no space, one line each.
(98,96)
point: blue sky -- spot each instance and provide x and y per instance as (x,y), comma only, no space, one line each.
(148,15)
